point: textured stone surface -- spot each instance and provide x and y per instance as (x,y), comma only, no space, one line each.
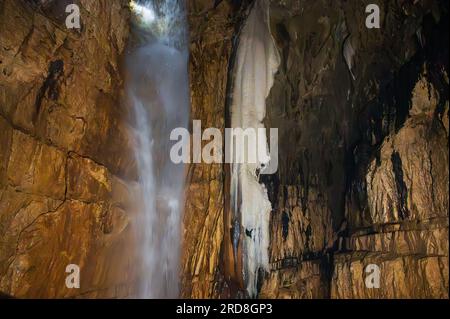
(64,149)
(364,151)
(299,280)
(407,200)
(211,34)
(363,136)
(407,276)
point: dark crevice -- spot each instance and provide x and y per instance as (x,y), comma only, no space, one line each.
(285,224)
(50,87)
(402,190)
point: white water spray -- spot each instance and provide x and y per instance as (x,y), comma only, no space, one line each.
(157,87)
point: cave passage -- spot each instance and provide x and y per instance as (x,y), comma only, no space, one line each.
(157,88)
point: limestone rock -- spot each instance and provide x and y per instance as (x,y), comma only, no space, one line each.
(203,229)
(363,151)
(65,162)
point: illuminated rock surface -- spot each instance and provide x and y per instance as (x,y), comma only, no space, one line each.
(363,156)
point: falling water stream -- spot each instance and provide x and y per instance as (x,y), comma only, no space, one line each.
(157,87)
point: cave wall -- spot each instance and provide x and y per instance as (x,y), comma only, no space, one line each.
(363,143)
(63,150)
(363,135)
(211,33)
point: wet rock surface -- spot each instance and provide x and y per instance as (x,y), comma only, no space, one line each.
(211,31)
(363,142)
(363,175)
(64,149)
(363,151)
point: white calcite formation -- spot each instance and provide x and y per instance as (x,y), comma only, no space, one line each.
(257,61)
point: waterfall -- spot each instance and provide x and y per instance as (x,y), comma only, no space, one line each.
(157,87)
(257,61)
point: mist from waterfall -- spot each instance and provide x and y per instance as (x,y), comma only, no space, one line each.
(157,87)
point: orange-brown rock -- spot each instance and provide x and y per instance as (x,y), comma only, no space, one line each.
(363,151)
(64,151)
(407,189)
(363,145)
(211,31)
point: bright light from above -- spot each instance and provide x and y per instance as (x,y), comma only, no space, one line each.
(160,18)
(146,15)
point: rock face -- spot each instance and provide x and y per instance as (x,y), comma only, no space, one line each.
(363,173)
(407,204)
(211,31)
(363,145)
(63,150)
(362,118)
